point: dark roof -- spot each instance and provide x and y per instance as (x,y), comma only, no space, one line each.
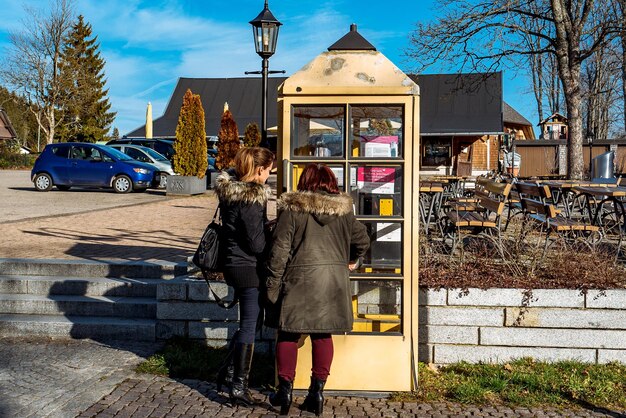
(352,41)
(242,94)
(510,115)
(460,104)
(466,104)
(6,128)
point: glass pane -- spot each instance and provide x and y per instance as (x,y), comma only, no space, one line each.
(317,131)
(376,190)
(385,252)
(376,131)
(377,305)
(338,169)
(436,151)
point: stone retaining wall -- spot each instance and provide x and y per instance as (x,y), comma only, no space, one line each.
(498,325)
(493,325)
(182,310)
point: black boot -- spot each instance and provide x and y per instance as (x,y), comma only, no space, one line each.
(283,396)
(314,401)
(239,393)
(225,372)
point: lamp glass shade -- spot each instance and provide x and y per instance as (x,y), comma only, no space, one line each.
(265,38)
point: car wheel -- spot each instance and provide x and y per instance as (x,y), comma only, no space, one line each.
(63,188)
(122,184)
(43,182)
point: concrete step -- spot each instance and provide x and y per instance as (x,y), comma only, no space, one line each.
(89,268)
(92,286)
(97,328)
(70,305)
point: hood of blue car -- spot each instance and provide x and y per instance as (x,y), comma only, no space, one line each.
(138,164)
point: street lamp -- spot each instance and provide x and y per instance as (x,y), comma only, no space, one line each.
(590,141)
(265,29)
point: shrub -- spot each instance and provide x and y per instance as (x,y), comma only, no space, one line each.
(10,160)
(190,150)
(228,141)
(252,135)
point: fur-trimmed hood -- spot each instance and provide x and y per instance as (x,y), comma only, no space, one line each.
(231,190)
(323,206)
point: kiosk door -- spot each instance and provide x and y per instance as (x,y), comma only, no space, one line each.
(369,146)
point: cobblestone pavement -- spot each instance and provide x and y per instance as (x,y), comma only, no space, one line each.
(61,378)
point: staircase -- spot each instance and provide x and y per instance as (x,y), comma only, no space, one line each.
(81,299)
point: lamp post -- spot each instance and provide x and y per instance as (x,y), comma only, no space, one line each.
(265,29)
(590,141)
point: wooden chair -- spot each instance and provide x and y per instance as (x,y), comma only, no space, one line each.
(484,222)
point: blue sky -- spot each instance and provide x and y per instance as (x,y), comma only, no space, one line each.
(148,45)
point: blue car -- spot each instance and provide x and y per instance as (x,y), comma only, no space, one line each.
(65,165)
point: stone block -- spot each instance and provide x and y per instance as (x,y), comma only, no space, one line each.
(437,334)
(173,290)
(169,329)
(561,298)
(189,311)
(540,337)
(198,290)
(607,356)
(16,285)
(448,315)
(446,354)
(209,330)
(425,353)
(606,299)
(432,297)
(566,318)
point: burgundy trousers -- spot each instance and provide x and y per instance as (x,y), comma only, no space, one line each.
(287,355)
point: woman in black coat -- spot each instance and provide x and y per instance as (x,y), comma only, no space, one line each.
(316,242)
(243,200)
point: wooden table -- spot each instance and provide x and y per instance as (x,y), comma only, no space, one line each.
(596,197)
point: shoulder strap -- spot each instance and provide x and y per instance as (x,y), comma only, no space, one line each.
(220,302)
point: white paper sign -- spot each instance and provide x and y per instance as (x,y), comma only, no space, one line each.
(388,232)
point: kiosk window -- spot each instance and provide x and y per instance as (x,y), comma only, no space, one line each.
(377,306)
(318,131)
(376,190)
(338,169)
(376,131)
(385,252)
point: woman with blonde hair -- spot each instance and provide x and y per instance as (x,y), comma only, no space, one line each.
(316,243)
(243,200)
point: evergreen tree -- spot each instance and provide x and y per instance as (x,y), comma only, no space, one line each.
(190,150)
(252,135)
(87,115)
(228,141)
(116,133)
(21,118)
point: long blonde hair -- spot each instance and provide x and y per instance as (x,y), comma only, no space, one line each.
(248,159)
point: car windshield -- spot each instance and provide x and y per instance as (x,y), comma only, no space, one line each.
(155,155)
(118,154)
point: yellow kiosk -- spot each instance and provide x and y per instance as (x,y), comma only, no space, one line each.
(355,111)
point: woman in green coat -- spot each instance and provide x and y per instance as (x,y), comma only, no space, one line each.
(316,243)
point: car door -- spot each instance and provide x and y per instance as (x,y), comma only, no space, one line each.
(87,167)
(59,164)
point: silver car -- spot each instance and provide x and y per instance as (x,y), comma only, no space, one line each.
(150,156)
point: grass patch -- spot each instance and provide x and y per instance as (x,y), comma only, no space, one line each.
(186,359)
(524,383)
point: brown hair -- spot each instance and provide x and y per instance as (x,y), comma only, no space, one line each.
(248,159)
(318,177)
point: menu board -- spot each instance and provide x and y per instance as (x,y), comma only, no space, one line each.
(379,180)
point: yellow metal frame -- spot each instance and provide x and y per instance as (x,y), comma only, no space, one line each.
(378,362)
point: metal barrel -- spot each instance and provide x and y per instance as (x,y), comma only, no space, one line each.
(603,166)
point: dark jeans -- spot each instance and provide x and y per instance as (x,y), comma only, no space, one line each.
(248,313)
(287,355)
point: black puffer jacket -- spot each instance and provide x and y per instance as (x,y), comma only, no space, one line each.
(243,208)
(308,273)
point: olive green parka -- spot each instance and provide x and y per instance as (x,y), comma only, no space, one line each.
(316,236)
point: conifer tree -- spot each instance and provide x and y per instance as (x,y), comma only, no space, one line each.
(190,150)
(87,115)
(252,135)
(115,134)
(228,141)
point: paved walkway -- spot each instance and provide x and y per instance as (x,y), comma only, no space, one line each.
(47,378)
